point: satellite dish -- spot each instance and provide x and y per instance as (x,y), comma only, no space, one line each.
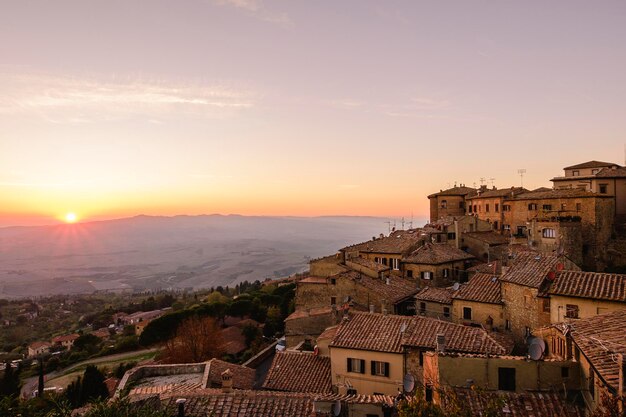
(408,383)
(337,408)
(456,286)
(535,352)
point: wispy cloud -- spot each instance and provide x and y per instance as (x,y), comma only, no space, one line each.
(257,9)
(87,99)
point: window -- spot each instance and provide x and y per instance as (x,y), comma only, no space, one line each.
(602,188)
(506,226)
(333,281)
(409,273)
(446,272)
(578,206)
(497,207)
(549,233)
(495,225)
(506,207)
(421,358)
(467,313)
(333,300)
(380,368)
(377,259)
(446,311)
(426,275)
(422,308)
(564,372)
(461,204)
(396,264)
(506,379)
(571,311)
(385,261)
(444,204)
(546,305)
(547,207)
(469,209)
(356,365)
(487,208)
(563,206)
(575,173)
(429,394)
(532,206)
(507,325)
(451,236)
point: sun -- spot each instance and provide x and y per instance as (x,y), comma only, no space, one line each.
(70,217)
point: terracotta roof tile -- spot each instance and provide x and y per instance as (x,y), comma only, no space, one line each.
(329,333)
(243,377)
(460,191)
(597,285)
(65,338)
(558,193)
(367,263)
(504,192)
(312,312)
(436,253)
(481,288)
(392,288)
(397,242)
(299,372)
(383,333)
(489,237)
(591,164)
(527,404)
(600,338)
(242,403)
(530,268)
(436,295)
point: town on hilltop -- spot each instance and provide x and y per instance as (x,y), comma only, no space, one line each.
(509,302)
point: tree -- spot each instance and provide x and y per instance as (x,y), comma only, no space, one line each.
(10,382)
(90,387)
(197,339)
(88,343)
(40,384)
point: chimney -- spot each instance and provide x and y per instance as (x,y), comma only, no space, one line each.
(180,404)
(489,324)
(387,281)
(227,381)
(371,308)
(441,342)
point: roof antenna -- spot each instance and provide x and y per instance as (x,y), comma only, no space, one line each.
(491,180)
(521,173)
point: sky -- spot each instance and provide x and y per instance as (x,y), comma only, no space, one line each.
(115,108)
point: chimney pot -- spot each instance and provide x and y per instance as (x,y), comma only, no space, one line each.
(180,403)
(441,342)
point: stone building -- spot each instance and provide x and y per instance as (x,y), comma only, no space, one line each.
(435,302)
(435,264)
(386,250)
(450,202)
(603,178)
(370,353)
(596,345)
(488,204)
(579,295)
(523,283)
(479,303)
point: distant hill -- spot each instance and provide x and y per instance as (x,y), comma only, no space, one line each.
(147,252)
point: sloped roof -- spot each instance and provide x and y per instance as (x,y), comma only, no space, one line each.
(243,377)
(435,295)
(65,338)
(460,191)
(503,192)
(299,372)
(489,237)
(247,403)
(397,242)
(558,193)
(367,263)
(397,290)
(596,285)
(591,164)
(530,268)
(600,338)
(436,253)
(383,333)
(619,172)
(526,404)
(37,345)
(481,288)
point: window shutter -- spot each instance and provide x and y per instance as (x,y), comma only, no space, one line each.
(373,367)
(349,365)
(362,366)
(386,368)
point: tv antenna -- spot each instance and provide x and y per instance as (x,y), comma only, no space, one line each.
(521,173)
(482,181)
(492,180)
(402,222)
(388,226)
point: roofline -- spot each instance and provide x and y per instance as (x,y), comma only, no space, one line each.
(584,297)
(591,195)
(476,301)
(401,352)
(613,389)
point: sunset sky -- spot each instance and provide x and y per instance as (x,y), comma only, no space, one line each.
(123,107)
